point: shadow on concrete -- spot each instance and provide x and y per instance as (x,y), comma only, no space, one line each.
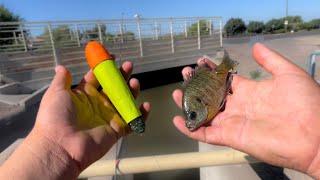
(17,127)
(266,171)
(176,175)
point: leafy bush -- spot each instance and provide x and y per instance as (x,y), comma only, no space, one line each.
(255,27)
(295,23)
(235,26)
(60,33)
(7,16)
(313,24)
(204,29)
(274,25)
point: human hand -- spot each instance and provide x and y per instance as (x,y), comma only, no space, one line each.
(276,120)
(82,121)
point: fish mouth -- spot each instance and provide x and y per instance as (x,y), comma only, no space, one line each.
(191,126)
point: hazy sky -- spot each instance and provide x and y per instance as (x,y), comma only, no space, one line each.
(37,10)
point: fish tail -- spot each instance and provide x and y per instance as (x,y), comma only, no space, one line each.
(227,63)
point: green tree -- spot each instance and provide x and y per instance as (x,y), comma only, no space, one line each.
(235,26)
(94,32)
(255,27)
(313,24)
(7,16)
(204,28)
(60,34)
(274,25)
(294,22)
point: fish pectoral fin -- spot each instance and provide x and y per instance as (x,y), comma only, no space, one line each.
(228,91)
(222,104)
(229,82)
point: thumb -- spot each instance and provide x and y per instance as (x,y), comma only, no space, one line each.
(62,79)
(272,61)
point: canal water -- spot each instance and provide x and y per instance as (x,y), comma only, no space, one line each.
(161,137)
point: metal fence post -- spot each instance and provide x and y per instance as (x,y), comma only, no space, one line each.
(221,43)
(71,34)
(121,32)
(15,37)
(23,39)
(156,30)
(210,27)
(100,33)
(199,38)
(185,29)
(171,34)
(54,51)
(77,34)
(139,36)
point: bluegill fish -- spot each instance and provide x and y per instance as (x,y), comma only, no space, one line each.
(205,91)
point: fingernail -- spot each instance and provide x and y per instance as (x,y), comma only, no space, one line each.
(57,69)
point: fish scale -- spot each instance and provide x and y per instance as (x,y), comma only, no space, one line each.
(205,91)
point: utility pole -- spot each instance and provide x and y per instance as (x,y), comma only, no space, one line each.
(287,8)
(286,22)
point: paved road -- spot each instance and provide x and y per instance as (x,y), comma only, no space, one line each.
(239,40)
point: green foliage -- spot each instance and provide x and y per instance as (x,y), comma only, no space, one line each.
(256,74)
(274,25)
(294,19)
(109,37)
(313,24)
(60,34)
(204,28)
(255,27)
(235,26)
(126,36)
(94,32)
(295,23)
(7,16)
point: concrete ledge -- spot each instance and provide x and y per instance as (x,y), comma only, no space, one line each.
(34,97)
(18,99)
(5,79)
(14,88)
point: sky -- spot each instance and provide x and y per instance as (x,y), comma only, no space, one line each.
(263,10)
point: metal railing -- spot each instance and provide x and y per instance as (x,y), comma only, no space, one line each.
(26,46)
(312,63)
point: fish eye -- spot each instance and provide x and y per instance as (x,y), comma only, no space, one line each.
(192,115)
(199,100)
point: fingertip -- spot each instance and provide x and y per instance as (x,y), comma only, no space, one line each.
(60,69)
(186,72)
(177,92)
(62,78)
(259,51)
(145,109)
(179,122)
(147,106)
(205,62)
(126,69)
(90,78)
(127,65)
(134,87)
(134,82)
(177,97)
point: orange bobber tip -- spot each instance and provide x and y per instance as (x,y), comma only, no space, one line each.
(96,53)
